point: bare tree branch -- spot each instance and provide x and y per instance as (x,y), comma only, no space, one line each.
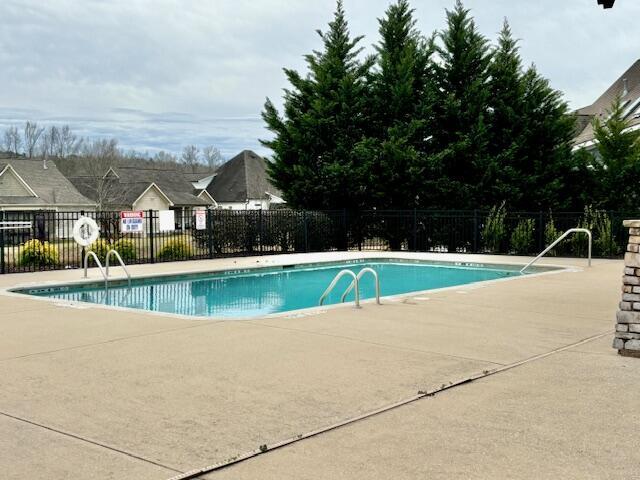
(12,141)
(32,134)
(212,157)
(190,156)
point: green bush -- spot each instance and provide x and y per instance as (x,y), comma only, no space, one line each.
(37,253)
(100,247)
(494,229)
(178,248)
(125,247)
(522,237)
(604,243)
(579,241)
(599,223)
(551,234)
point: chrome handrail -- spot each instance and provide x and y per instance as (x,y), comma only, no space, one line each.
(359,276)
(334,282)
(562,237)
(91,253)
(122,264)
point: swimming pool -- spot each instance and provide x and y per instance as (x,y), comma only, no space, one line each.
(263,291)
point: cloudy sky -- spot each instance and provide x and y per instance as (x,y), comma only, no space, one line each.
(160,74)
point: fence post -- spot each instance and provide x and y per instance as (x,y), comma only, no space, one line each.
(260,228)
(2,265)
(541,231)
(210,231)
(83,250)
(415,230)
(306,231)
(475,231)
(152,256)
(345,226)
(611,249)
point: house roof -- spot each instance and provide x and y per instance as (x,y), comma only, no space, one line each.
(50,185)
(132,180)
(200,182)
(172,183)
(243,177)
(628,86)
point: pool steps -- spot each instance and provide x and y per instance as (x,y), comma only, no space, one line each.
(355,283)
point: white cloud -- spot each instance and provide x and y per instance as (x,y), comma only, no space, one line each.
(117,67)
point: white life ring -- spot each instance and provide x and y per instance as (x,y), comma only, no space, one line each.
(85,231)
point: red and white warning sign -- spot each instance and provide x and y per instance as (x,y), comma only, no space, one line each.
(132,222)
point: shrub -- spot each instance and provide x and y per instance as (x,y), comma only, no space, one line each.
(37,253)
(177,248)
(604,242)
(522,236)
(494,230)
(100,247)
(125,247)
(599,223)
(551,234)
(578,241)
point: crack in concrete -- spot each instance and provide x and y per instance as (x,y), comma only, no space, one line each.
(106,342)
(263,449)
(90,441)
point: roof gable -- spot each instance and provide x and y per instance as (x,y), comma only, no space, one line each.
(46,182)
(153,186)
(13,185)
(204,195)
(174,186)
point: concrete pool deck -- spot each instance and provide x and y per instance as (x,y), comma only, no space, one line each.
(98,393)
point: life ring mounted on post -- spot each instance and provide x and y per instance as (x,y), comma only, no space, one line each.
(85,231)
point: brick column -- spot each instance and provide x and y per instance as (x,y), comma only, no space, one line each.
(627,339)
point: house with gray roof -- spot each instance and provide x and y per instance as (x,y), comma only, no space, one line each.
(138,186)
(243,183)
(27,184)
(628,87)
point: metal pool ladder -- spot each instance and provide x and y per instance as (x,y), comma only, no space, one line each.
(560,238)
(122,264)
(355,283)
(105,275)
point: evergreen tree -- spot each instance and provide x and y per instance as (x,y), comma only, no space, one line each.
(544,157)
(506,124)
(530,135)
(460,136)
(401,97)
(317,160)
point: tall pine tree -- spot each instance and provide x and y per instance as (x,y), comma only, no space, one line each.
(545,146)
(530,135)
(506,123)
(316,159)
(460,135)
(401,99)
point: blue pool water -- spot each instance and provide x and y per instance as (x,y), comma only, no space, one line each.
(257,292)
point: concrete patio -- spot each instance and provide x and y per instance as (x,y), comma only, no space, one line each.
(98,393)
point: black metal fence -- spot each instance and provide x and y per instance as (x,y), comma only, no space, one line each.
(49,244)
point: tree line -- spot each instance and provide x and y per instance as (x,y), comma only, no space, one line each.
(445,121)
(60,142)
